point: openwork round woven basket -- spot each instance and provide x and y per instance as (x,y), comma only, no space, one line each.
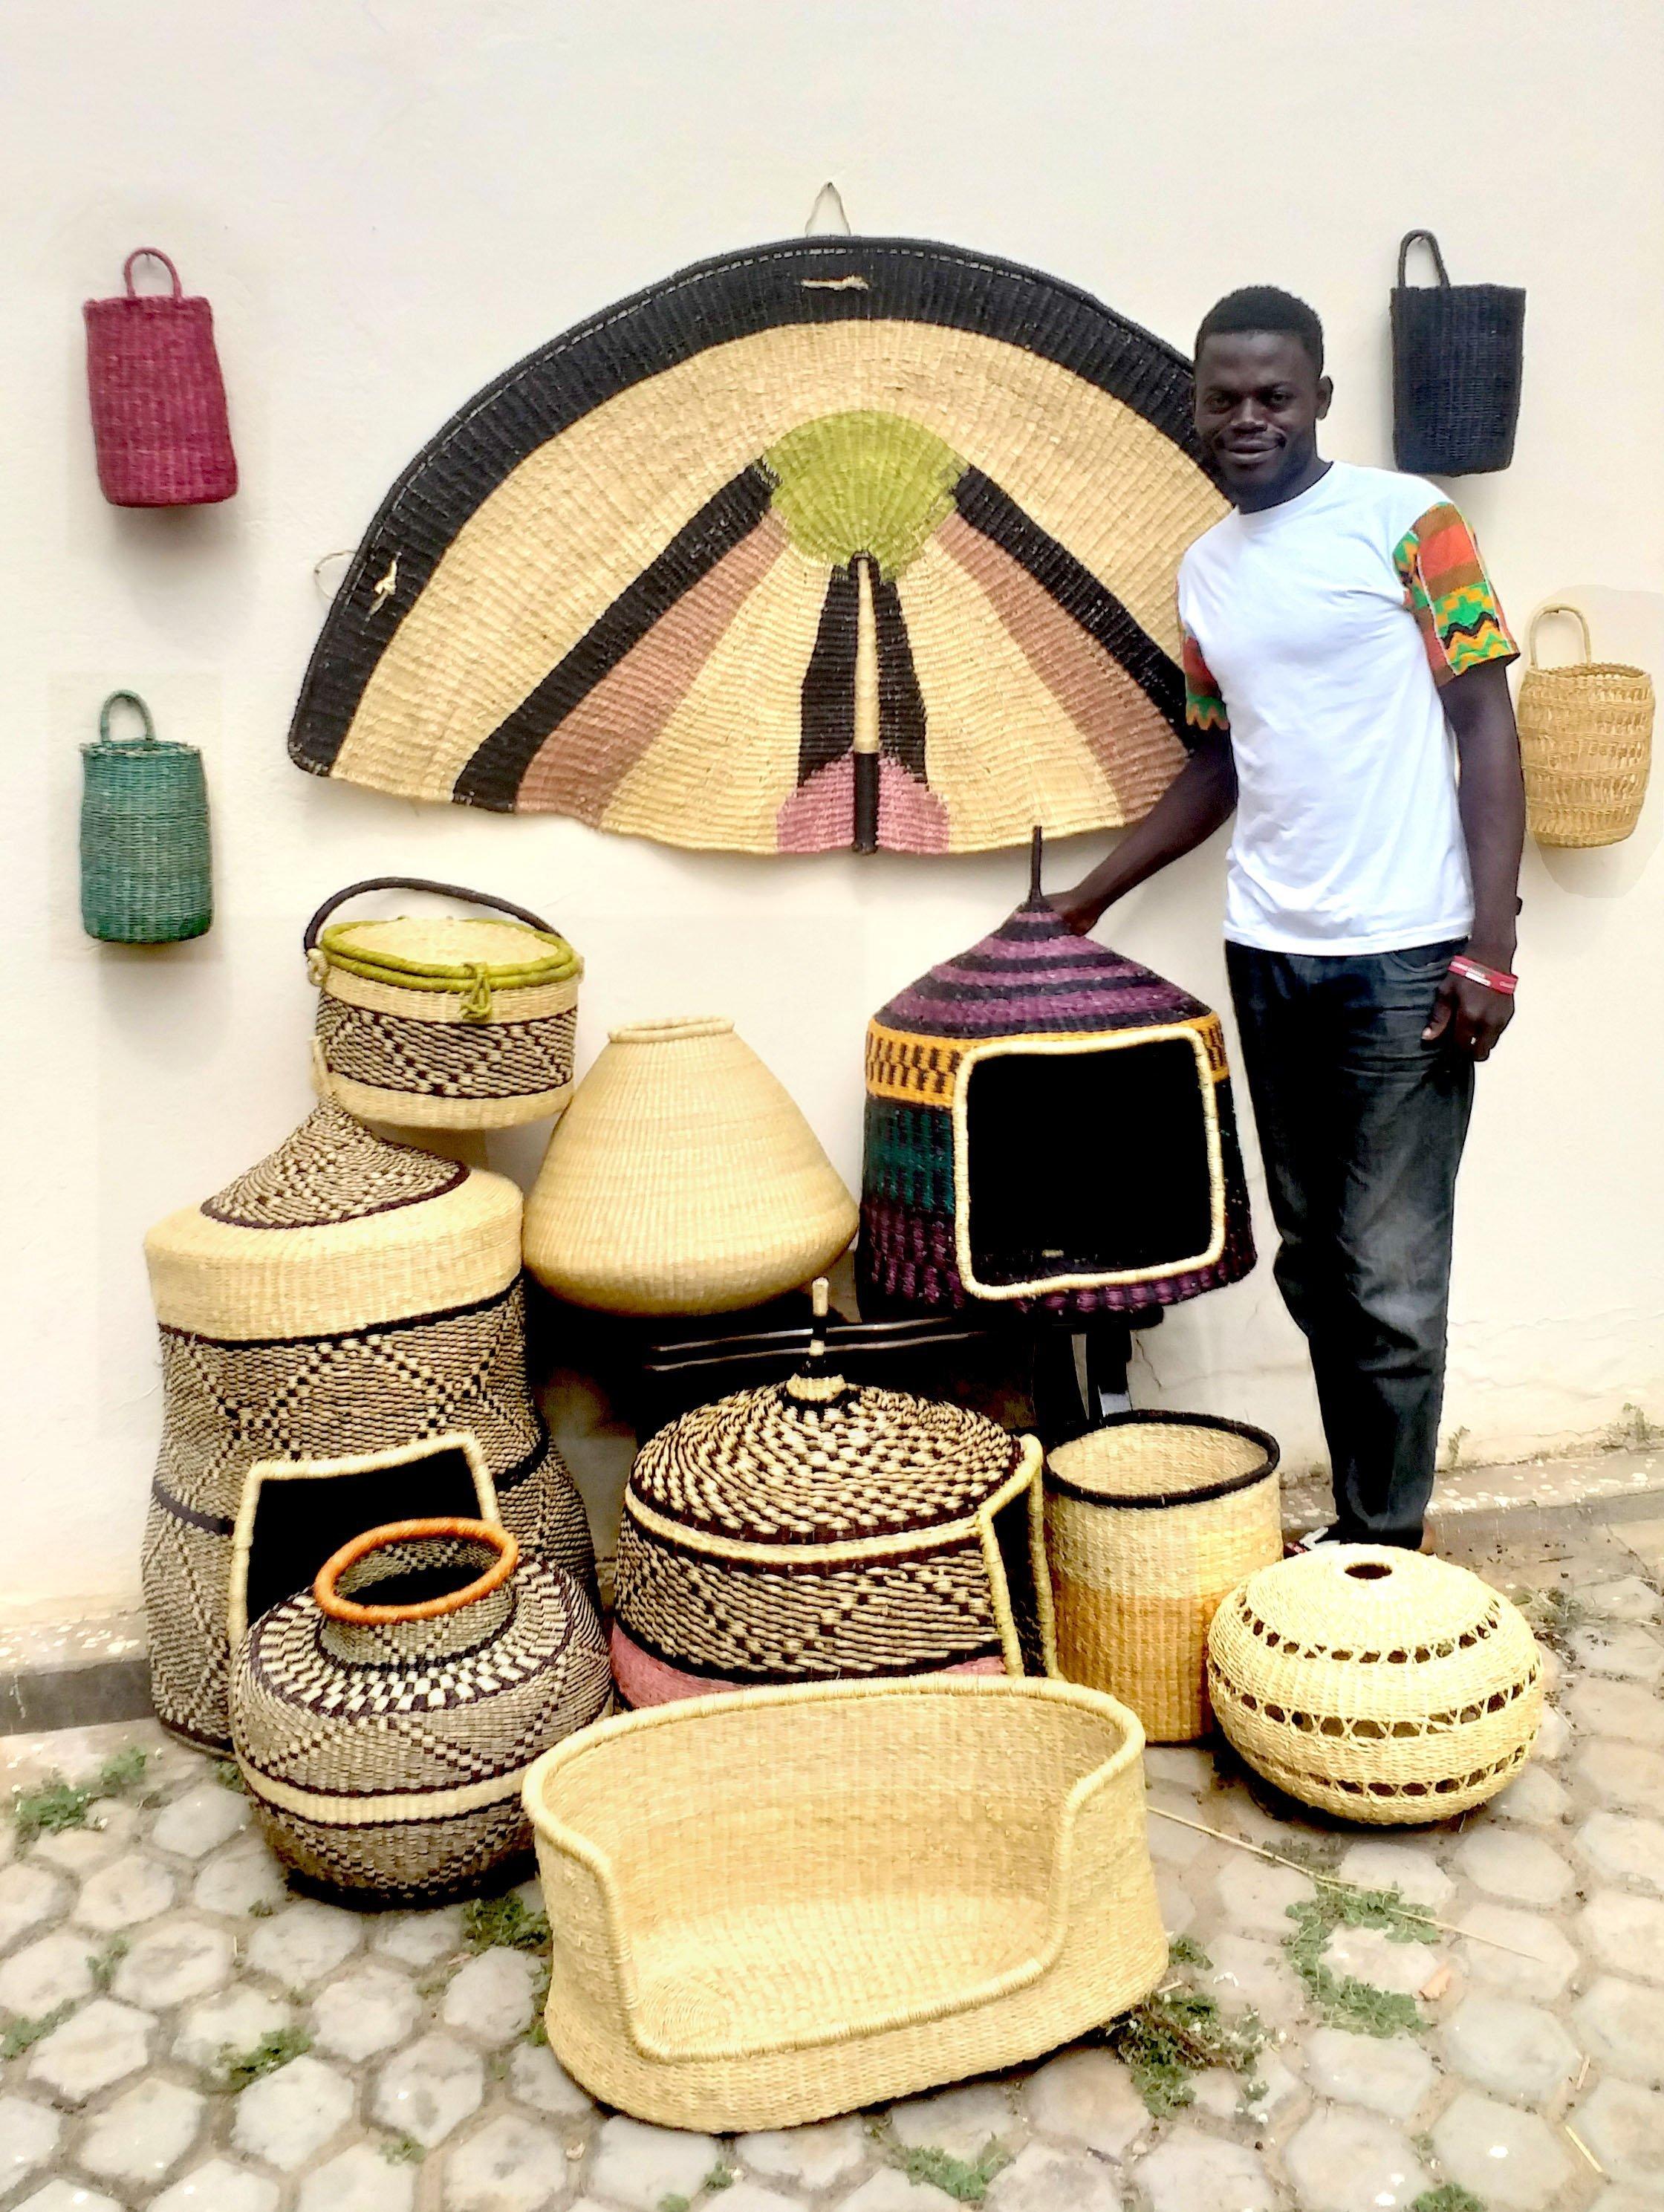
(683,1180)
(384,1720)
(769,1908)
(442,1021)
(1150,1520)
(1586,738)
(1377,1683)
(344,1307)
(812,1531)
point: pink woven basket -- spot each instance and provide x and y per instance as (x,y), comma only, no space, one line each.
(158,402)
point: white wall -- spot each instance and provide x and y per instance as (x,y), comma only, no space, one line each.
(389,202)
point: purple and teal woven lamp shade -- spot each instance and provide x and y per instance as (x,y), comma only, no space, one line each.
(1049,1124)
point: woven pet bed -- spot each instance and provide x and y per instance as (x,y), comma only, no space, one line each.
(1048,1123)
(1377,1683)
(385,1719)
(814,1531)
(863,541)
(344,1297)
(770,1908)
(682,1179)
(1150,1520)
(442,1021)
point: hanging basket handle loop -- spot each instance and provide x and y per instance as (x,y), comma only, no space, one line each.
(1560,607)
(1428,239)
(416,883)
(139,708)
(149,253)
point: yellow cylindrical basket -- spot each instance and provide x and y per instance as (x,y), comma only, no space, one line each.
(1586,736)
(1377,1683)
(1150,1521)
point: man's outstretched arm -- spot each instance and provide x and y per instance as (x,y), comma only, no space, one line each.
(1201,797)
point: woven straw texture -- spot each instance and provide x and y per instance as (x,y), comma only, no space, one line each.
(1071,1196)
(389,1756)
(683,1180)
(770,1908)
(1150,1521)
(346,1296)
(1378,1684)
(1458,360)
(443,1021)
(812,1531)
(830,543)
(157,398)
(146,874)
(1585,742)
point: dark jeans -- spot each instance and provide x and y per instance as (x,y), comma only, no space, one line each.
(1361,1126)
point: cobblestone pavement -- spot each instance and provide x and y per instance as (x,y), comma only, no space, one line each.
(152,1959)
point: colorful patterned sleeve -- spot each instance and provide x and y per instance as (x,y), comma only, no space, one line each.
(1203,705)
(1447,590)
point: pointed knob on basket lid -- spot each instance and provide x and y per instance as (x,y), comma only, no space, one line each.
(814,1384)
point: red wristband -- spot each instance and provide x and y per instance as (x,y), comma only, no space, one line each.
(1493,979)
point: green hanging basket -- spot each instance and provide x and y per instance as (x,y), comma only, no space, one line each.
(145,872)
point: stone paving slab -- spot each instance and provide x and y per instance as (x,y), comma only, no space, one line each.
(142,1952)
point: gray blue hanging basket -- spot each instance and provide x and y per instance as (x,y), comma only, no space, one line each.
(145,872)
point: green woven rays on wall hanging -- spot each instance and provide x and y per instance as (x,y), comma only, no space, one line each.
(835,543)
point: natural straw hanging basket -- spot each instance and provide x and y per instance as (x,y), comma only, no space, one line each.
(442,1021)
(1150,1521)
(384,1720)
(146,875)
(772,1907)
(683,1180)
(1586,737)
(157,398)
(1377,1683)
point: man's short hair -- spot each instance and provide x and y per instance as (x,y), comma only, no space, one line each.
(1264,308)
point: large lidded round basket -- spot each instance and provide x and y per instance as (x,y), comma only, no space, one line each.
(342,1343)
(813,1531)
(1150,1521)
(1047,1124)
(683,1180)
(1377,1683)
(384,1720)
(443,1021)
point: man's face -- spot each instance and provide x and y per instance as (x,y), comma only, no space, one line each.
(1258,401)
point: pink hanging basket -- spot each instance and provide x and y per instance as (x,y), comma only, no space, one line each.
(158,402)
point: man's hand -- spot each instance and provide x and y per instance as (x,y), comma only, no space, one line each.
(1472,1018)
(1074,909)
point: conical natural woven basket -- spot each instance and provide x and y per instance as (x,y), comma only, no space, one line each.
(683,1180)
(1150,1521)
(1377,1683)
(774,1907)
(1586,736)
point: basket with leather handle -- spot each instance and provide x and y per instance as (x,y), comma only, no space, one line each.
(1458,359)
(441,1021)
(1586,740)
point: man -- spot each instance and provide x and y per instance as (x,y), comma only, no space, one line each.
(1339,628)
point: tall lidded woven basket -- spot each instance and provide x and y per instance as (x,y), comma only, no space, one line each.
(442,1021)
(1376,1684)
(157,397)
(1047,1124)
(1586,740)
(384,1720)
(819,1531)
(332,1321)
(1458,362)
(1150,1520)
(682,1179)
(146,873)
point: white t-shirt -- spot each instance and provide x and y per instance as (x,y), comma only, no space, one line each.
(1318,633)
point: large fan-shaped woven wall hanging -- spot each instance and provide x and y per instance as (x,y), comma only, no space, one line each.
(833,543)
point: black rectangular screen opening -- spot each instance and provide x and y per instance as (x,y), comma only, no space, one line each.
(300,1520)
(1086,1163)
